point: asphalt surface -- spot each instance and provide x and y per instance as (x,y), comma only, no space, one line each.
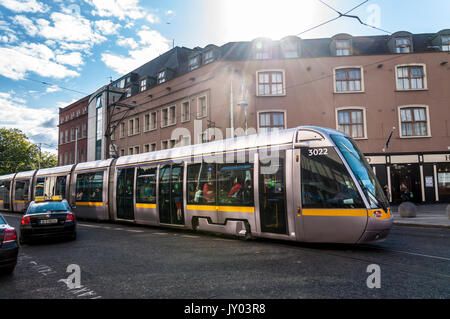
(128,261)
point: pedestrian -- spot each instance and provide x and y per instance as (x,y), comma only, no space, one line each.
(404,193)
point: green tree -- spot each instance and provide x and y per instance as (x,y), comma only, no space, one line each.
(18,154)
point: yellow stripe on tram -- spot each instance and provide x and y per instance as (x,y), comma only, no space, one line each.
(335,212)
(20,201)
(138,205)
(90,203)
(237,209)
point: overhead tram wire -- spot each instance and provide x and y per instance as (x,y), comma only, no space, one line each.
(346,14)
(340,15)
(51,84)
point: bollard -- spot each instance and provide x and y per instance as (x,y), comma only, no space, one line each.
(448,211)
(407,210)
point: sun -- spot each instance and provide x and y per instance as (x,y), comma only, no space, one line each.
(248,19)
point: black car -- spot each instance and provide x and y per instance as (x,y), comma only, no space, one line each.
(9,247)
(44,219)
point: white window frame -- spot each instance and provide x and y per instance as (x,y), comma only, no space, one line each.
(445,47)
(348,108)
(135,130)
(427,114)
(161,79)
(271,70)
(272,111)
(170,121)
(184,120)
(361,69)
(199,114)
(155,113)
(350,49)
(196,65)
(143,85)
(122,130)
(425,77)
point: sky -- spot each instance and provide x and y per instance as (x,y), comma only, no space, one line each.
(77,46)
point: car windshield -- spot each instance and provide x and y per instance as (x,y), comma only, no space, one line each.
(362,171)
(37,208)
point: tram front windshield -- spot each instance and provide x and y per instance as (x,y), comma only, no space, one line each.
(362,171)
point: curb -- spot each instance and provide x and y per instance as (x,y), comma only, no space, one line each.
(421,225)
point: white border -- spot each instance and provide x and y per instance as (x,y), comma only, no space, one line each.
(425,77)
(360,67)
(427,113)
(271,70)
(363,109)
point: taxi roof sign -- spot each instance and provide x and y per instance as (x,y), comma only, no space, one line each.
(48,198)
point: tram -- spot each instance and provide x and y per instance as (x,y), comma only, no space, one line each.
(307,184)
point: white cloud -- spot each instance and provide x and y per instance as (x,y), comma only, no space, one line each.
(53,88)
(72,59)
(151,44)
(117,8)
(24,5)
(169,12)
(17,61)
(14,113)
(107,27)
(27,24)
(153,18)
(127,42)
(69,28)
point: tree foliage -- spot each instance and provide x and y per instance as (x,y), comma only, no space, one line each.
(18,154)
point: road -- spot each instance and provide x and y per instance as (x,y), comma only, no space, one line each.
(128,261)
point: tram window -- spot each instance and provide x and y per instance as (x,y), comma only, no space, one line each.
(326,183)
(201,179)
(22,189)
(235,185)
(146,185)
(89,187)
(40,187)
(61,186)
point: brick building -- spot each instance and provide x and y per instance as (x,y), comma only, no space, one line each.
(368,87)
(73,123)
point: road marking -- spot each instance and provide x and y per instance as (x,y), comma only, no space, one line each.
(190,236)
(417,254)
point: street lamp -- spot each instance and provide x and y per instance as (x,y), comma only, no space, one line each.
(244,103)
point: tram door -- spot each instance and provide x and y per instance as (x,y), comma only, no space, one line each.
(125,193)
(272,195)
(171,195)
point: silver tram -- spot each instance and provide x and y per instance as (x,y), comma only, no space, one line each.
(306,184)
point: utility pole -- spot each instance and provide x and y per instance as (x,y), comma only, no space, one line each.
(76,145)
(39,162)
(231,110)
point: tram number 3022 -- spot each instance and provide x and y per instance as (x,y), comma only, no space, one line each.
(317,152)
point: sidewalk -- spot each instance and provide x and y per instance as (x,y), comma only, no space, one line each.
(433,215)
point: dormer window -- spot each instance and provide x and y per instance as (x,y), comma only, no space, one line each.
(403,45)
(194,63)
(128,92)
(262,51)
(343,47)
(290,49)
(209,56)
(143,85)
(161,77)
(445,42)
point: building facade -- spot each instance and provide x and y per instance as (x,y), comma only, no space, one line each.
(376,89)
(73,131)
